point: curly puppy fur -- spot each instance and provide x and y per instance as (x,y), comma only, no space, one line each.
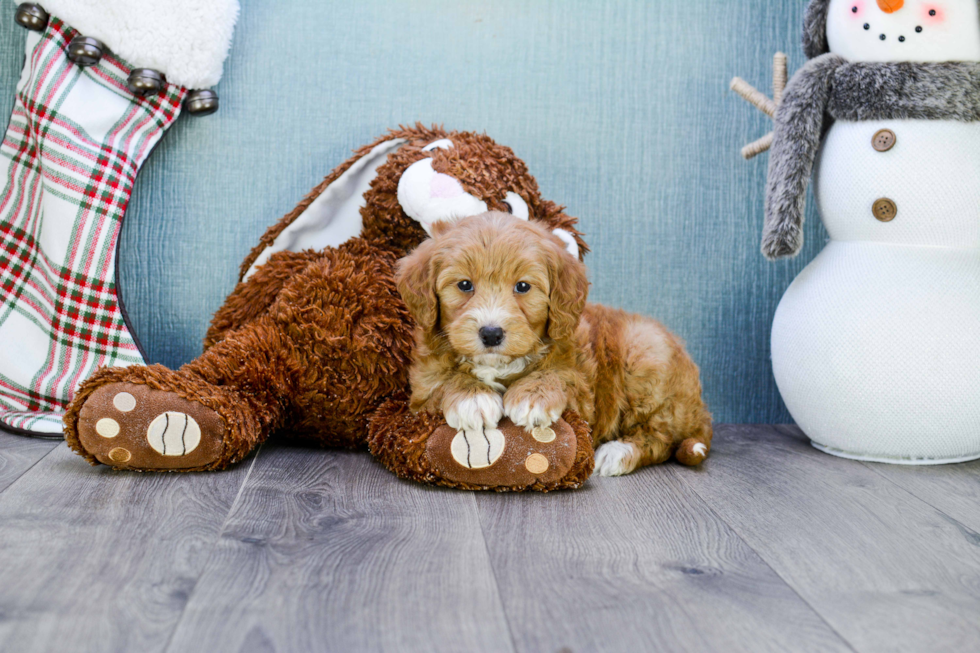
(313,343)
(504,329)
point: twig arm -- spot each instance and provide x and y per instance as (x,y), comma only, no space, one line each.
(756,148)
(754,97)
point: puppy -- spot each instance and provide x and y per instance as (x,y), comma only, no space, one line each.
(504,330)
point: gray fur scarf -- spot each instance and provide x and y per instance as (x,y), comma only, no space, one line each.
(829,88)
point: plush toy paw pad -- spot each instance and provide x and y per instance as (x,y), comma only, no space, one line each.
(508,456)
(536,464)
(477,449)
(174,434)
(544,434)
(124,402)
(132,426)
(107,427)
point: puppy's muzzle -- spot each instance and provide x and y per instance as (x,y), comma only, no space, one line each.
(491,336)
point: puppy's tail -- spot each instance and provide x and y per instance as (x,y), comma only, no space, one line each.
(693,451)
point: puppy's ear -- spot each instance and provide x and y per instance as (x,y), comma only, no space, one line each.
(417,285)
(569,291)
(439,227)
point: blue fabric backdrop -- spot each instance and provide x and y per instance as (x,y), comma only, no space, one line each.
(620,108)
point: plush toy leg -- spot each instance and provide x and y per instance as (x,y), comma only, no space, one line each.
(252,299)
(76,141)
(420,447)
(207,415)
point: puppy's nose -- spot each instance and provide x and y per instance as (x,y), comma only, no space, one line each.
(491,336)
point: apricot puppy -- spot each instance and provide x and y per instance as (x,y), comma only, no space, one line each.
(504,329)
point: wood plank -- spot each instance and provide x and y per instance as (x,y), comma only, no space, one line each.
(19,453)
(886,570)
(953,489)
(92,559)
(327,551)
(638,563)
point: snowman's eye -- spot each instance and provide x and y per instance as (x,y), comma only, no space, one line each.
(516,206)
(441,144)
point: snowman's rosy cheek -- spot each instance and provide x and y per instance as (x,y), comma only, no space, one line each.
(855,9)
(933,14)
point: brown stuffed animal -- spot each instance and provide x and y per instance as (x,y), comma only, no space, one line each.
(315,341)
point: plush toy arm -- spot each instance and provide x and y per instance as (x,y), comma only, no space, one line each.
(799,128)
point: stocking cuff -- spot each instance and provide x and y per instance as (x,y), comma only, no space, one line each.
(186,40)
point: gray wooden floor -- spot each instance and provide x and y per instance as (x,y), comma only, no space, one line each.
(772,546)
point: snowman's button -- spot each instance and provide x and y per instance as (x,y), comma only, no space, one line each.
(884,140)
(885,210)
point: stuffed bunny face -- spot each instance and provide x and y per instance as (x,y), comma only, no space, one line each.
(436,176)
(429,196)
(904,30)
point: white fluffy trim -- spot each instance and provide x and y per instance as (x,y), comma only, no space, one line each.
(186,40)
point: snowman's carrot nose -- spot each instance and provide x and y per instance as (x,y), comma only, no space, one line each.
(891,6)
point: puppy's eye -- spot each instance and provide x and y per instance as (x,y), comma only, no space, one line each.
(522,288)
(465,285)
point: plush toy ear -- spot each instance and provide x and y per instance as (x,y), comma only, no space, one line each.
(417,285)
(331,215)
(569,291)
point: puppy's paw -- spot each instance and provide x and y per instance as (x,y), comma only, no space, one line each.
(531,414)
(474,412)
(532,407)
(616,458)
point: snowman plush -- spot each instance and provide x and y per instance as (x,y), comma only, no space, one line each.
(876,345)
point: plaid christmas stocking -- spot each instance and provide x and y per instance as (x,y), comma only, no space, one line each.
(76,140)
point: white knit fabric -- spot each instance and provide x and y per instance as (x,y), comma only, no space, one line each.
(187,40)
(876,351)
(932,173)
